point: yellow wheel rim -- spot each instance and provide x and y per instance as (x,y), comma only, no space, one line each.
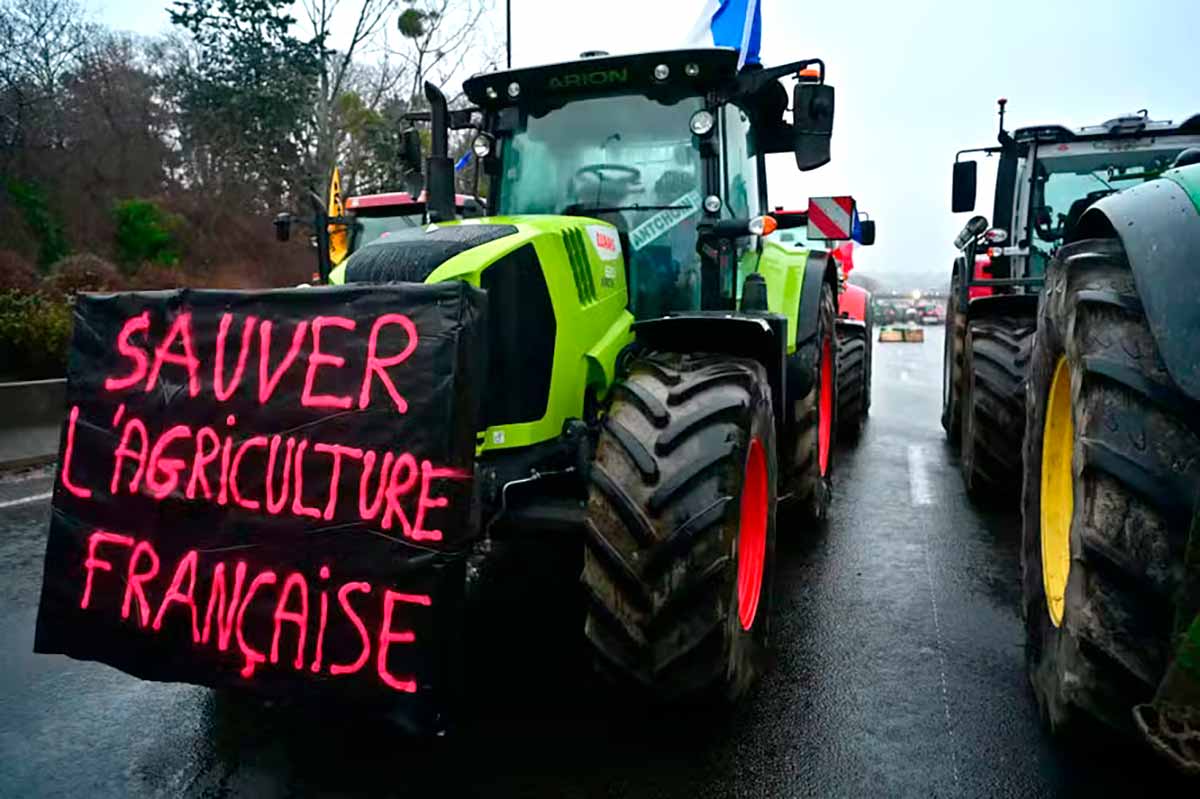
(1058,498)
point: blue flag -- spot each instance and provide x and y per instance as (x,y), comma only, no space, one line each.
(462,162)
(856,227)
(731,23)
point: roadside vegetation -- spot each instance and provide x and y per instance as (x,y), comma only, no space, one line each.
(143,163)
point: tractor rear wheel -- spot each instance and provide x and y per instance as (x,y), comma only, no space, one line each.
(854,378)
(1110,468)
(993,410)
(680,546)
(952,365)
(811,446)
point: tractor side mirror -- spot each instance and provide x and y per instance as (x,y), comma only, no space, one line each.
(972,230)
(812,124)
(962,194)
(867,235)
(283,226)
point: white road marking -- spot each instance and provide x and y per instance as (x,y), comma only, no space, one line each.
(941,652)
(12,503)
(920,486)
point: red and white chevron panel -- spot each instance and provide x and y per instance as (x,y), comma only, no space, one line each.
(830,217)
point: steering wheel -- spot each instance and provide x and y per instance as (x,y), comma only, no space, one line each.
(627,174)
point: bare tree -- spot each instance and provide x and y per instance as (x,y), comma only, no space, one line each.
(441,37)
(337,65)
(41,41)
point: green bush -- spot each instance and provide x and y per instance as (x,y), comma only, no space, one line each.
(146,234)
(43,221)
(35,331)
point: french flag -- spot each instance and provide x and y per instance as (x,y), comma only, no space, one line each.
(730,23)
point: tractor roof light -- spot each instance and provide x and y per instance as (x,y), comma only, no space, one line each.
(712,204)
(702,122)
(482,146)
(995,235)
(514,90)
(491,93)
(762,225)
(691,70)
(662,72)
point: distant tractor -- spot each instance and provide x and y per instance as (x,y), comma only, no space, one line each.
(342,227)
(1109,219)
(855,329)
(1047,176)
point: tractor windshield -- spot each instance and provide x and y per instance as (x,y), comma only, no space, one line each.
(372,228)
(627,160)
(1070,177)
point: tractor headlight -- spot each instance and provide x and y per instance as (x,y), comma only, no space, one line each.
(702,122)
(712,204)
(482,146)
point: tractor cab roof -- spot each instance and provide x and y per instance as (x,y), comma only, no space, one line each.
(665,76)
(1125,126)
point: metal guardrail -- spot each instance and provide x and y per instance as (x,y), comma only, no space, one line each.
(31,417)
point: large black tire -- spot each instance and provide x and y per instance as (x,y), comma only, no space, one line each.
(854,378)
(952,365)
(993,405)
(1134,468)
(665,511)
(809,486)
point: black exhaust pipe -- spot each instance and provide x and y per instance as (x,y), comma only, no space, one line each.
(439,187)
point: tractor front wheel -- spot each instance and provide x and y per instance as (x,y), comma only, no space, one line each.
(1110,465)
(993,405)
(952,365)
(680,544)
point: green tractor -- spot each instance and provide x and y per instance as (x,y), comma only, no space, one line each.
(1109,405)
(661,374)
(1047,176)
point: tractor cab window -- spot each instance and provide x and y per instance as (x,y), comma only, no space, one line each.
(368,229)
(627,160)
(1067,179)
(741,168)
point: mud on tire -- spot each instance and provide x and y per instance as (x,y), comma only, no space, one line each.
(661,563)
(993,410)
(1134,470)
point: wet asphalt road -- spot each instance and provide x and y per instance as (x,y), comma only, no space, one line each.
(898,672)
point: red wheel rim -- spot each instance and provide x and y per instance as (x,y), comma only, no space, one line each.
(752,535)
(825,422)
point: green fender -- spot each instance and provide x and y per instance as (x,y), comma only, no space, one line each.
(1158,224)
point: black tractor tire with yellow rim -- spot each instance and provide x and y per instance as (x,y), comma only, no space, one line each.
(680,546)
(1112,458)
(996,357)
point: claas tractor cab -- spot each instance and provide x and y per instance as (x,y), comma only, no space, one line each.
(1047,176)
(662,373)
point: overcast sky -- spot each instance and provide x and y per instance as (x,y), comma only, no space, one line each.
(916,80)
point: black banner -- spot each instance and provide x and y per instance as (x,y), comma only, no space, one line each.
(270,490)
